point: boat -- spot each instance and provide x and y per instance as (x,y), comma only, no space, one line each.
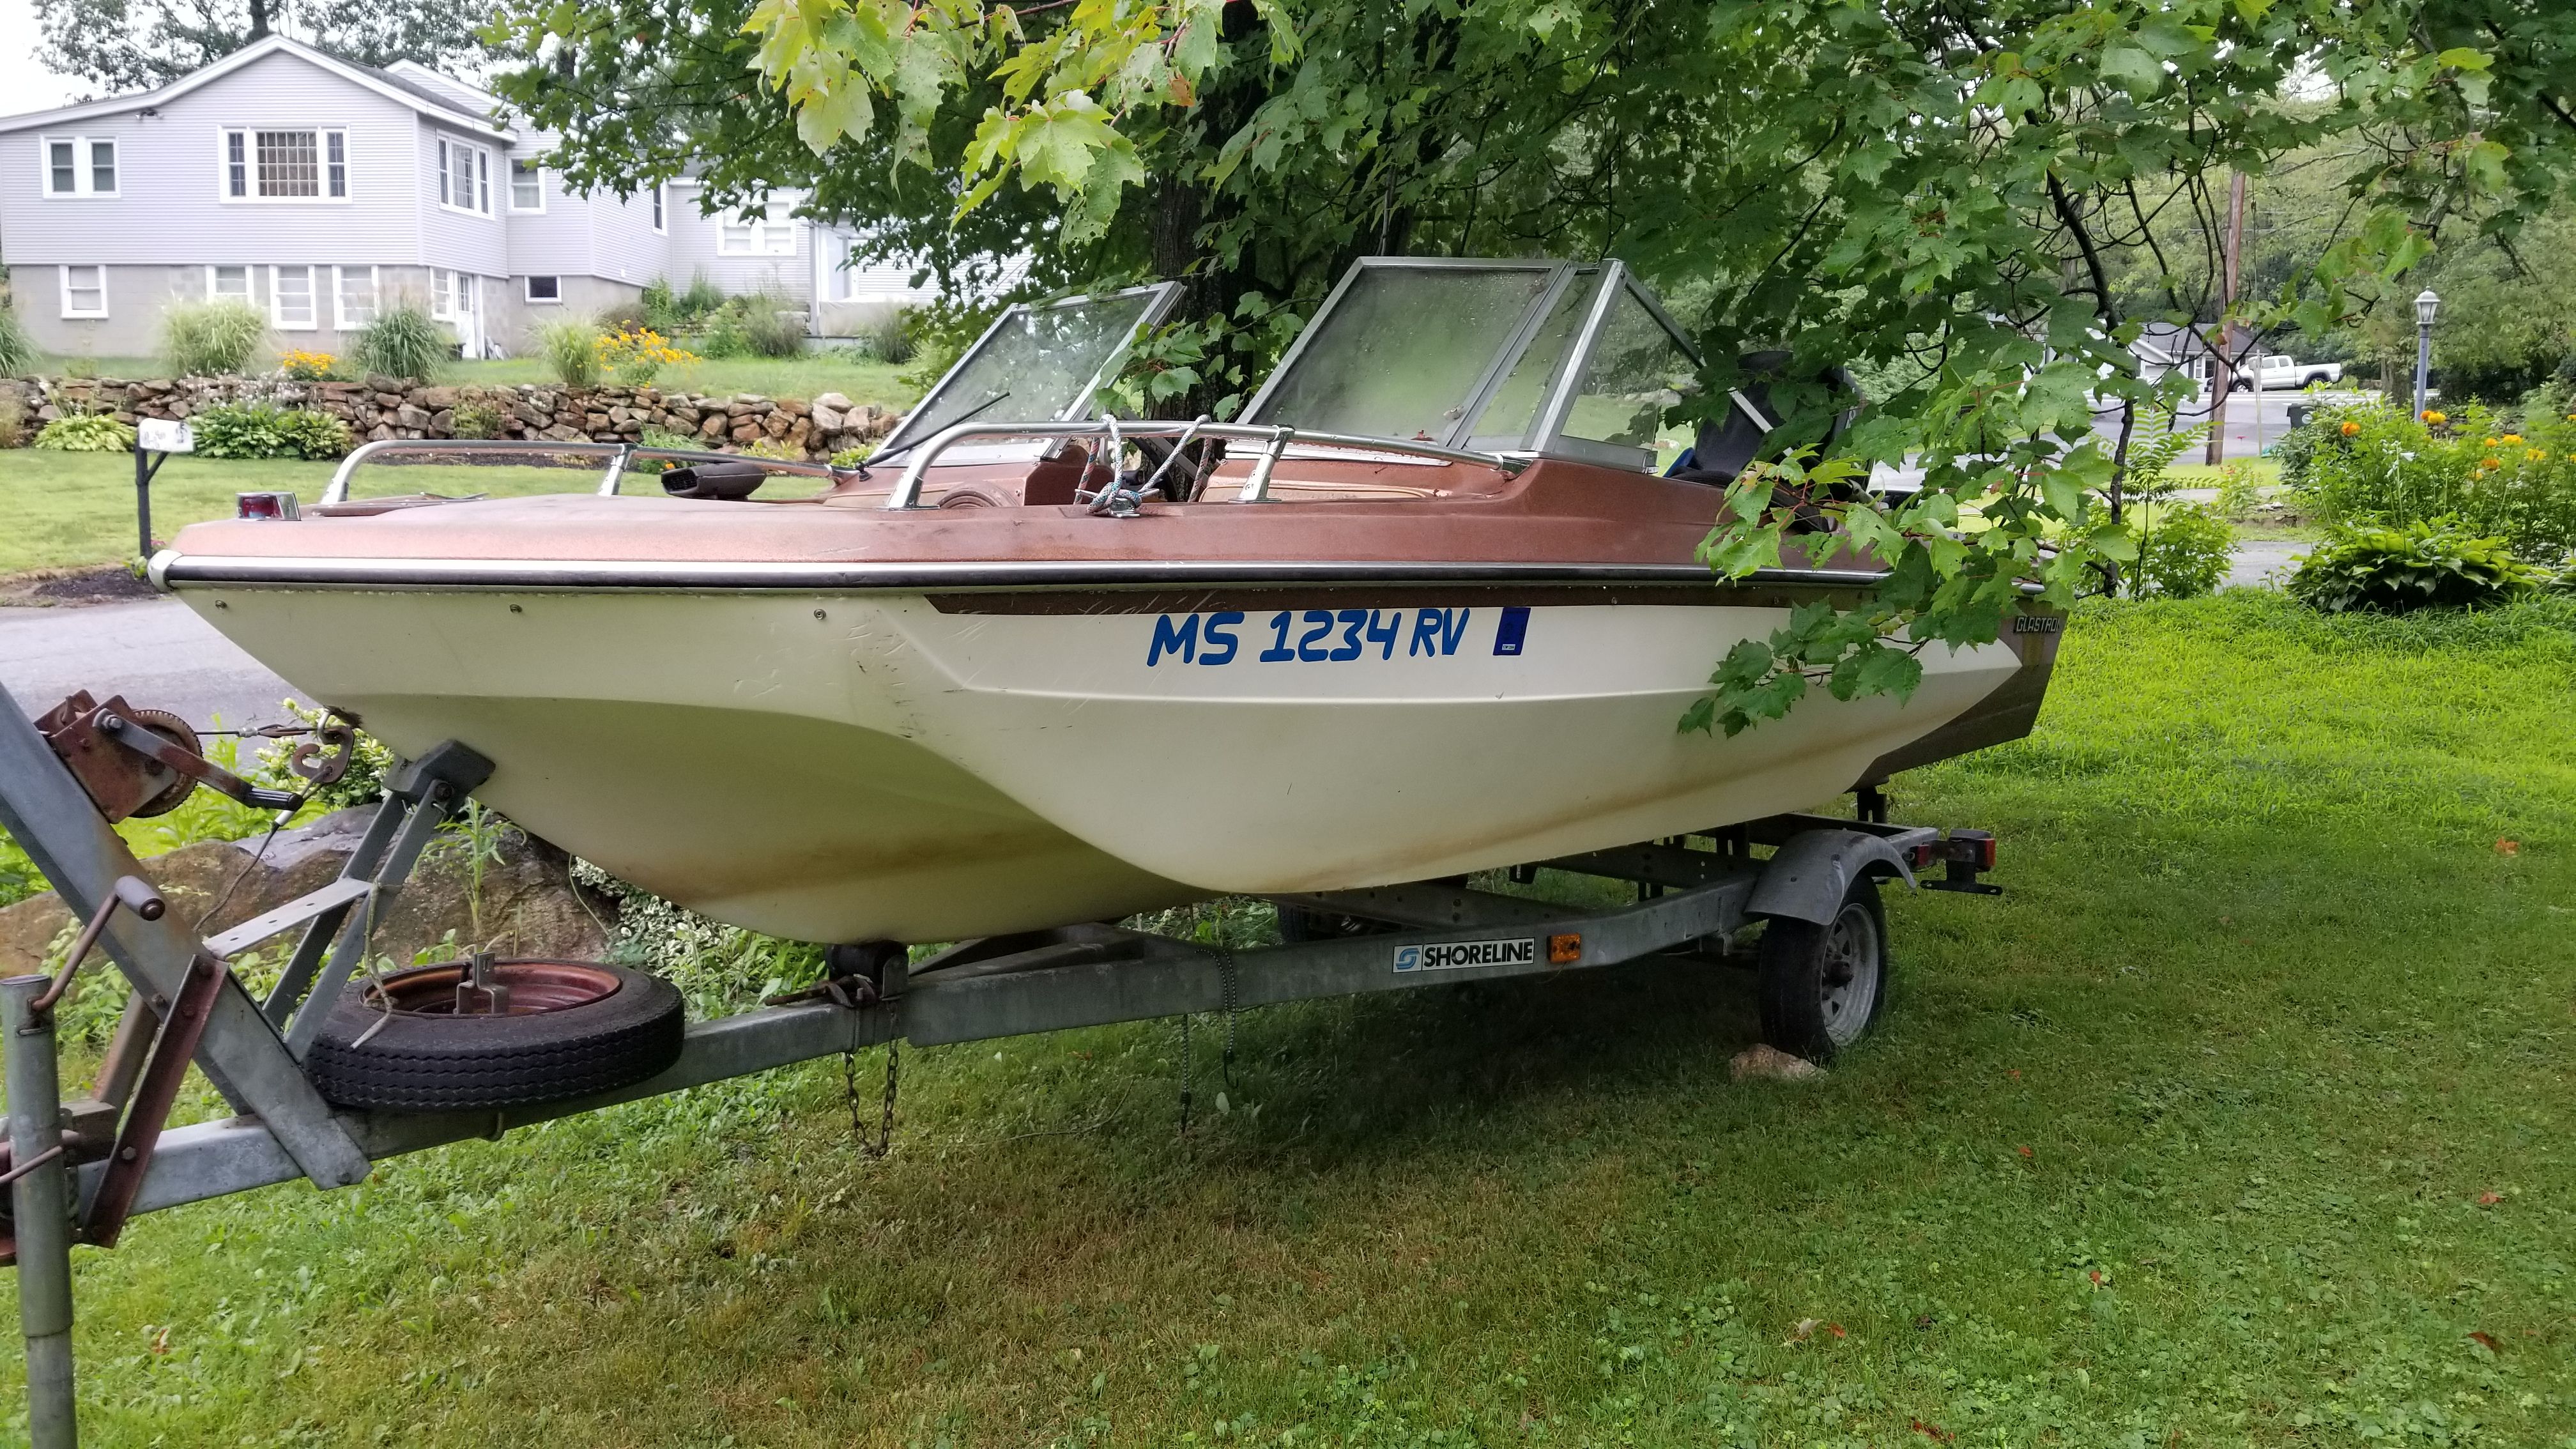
(1432,608)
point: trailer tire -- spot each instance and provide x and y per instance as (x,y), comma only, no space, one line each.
(613,1027)
(1821,986)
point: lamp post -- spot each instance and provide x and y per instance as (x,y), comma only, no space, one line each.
(2426,304)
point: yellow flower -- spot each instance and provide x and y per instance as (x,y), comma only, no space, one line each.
(2490,463)
(2491,442)
(2351,428)
(2435,418)
(2513,437)
(2535,455)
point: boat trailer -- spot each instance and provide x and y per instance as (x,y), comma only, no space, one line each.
(77,1169)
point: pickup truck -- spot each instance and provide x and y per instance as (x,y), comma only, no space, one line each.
(2279,371)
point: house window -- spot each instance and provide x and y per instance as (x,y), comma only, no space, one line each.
(451,295)
(464,177)
(761,233)
(84,291)
(658,223)
(228,284)
(545,289)
(301,165)
(290,298)
(353,297)
(527,186)
(79,166)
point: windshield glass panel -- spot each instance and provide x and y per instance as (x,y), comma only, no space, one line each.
(1400,354)
(1038,364)
(1505,422)
(1637,371)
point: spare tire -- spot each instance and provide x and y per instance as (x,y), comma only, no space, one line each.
(572,1028)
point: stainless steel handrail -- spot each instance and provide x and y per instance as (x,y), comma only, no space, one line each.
(619,455)
(1256,489)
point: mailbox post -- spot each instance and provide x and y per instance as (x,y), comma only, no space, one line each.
(155,439)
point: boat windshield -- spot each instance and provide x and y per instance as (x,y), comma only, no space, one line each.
(1036,364)
(1490,357)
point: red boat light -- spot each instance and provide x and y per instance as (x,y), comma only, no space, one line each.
(1974,848)
(274,507)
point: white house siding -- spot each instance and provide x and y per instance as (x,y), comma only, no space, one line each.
(463,240)
(170,208)
(696,239)
(624,247)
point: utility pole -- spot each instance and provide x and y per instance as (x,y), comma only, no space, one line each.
(2222,369)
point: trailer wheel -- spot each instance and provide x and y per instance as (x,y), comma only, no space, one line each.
(1821,986)
(572,1028)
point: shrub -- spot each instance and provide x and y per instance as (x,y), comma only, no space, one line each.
(702,296)
(570,345)
(262,431)
(887,337)
(2237,495)
(775,448)
(202,339)
(472,419)
(770,326)
(403,341)
(661,306)
(2185,554)
(665,438)
(17,348)
(2419,565)
(635,356)
(86,433)
(306,366)
(2377,466)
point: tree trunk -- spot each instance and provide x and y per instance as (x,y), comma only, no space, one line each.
(258,20)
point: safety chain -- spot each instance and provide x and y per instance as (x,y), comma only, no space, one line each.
(1227,990)
(1185,1074)
(885,1125)
(850,1088)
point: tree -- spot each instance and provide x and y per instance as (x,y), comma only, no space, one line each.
(1964,199)
(135,45)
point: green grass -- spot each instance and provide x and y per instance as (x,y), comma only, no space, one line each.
(2229,1125)
(77,509)
(804,377)
(2266,471)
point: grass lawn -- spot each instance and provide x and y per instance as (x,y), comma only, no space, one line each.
(875,382)
(2266,472)
(70,509)
(2243,1119)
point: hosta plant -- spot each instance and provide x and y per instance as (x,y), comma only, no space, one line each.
(86,433)
(2420,565)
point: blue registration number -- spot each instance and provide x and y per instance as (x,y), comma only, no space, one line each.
(1327,636)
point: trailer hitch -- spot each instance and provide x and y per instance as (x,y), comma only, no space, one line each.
(142,762)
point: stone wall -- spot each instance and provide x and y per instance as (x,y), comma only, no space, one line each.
(381,407)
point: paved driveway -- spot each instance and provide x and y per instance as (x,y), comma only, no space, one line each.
(155,652)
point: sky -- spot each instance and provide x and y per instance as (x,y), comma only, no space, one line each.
(26,85)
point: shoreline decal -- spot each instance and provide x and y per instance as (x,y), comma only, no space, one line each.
(1326,636)
(1459,955)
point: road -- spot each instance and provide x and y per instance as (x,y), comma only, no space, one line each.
(155,652)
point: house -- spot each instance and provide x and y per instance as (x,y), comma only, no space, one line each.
(317,190)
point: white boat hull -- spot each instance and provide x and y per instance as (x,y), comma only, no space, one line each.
(862,766)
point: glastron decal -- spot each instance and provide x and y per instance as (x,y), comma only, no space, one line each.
(1326,636)
(1453,955)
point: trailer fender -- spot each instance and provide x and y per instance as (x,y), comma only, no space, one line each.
(1807,879)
